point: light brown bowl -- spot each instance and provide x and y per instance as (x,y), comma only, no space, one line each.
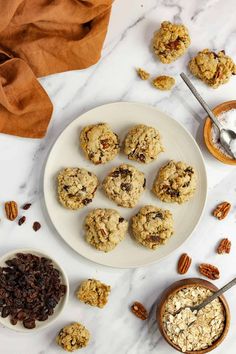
(223,107)
(184,283)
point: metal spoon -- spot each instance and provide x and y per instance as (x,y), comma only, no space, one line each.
(210,298)
(227,136)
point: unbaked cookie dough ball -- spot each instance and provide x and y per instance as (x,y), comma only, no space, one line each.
(152,226)
(124,185)
(93,292)
(175,182)
(143,144)
(170,42)
(76,187)
(104,229)
(99,143)
(73,337)
(214,69)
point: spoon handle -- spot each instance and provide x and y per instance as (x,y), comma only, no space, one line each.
(201,100)
(215,295)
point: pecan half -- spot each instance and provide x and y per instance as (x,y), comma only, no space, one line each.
(11,209)
(224,246)
(184,263)
(222,210)
(209,271)
(139,310)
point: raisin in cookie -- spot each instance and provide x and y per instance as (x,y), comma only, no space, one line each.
(175,182)
(214,69)
(143,144)
(163,83)
(93,293)
(76,187)
(99,143)
(152,226)
(170,42)
(73,337)
(124,185)
(104,229)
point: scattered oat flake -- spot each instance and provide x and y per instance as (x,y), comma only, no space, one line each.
(36,226)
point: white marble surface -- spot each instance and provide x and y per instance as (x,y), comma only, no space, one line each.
(114,329)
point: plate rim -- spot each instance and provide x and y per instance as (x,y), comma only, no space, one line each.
(172,119)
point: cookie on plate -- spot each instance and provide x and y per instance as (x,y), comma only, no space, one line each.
(99,143)
(175,182)
(170,42)
(143,144)
(93,292)
(213,68)
(124,185)
(104,229)
(76,187)
(152,226)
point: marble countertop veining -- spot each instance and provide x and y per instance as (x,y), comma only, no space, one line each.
(114,330)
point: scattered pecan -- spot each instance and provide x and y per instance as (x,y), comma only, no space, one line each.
(139,310)
(209,271)
(222,210)
(21,220)
(224,246)
(36,226)
(11,209)
(184,263)
(26,206)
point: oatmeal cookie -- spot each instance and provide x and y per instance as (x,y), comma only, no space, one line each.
(73,337)
(170,42)
(175,182)
(99,143)
(143,144)
(124,185)
(152,226)
(163,82)
(214,69)
(76,187)
(93,292)
(144,75)
(104,229)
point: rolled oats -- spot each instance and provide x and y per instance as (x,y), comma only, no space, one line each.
(189,330)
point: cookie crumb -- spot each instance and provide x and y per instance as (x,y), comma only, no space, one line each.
(93,293)
(163,82)
(144,75)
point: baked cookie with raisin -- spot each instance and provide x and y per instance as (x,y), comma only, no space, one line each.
(99,143)
(175,182)
(124,185)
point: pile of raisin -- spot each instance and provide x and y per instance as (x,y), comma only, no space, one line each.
(30,289)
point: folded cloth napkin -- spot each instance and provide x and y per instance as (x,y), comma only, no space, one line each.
(38,38)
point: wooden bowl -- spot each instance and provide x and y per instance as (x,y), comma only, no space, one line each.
(184,283)
(223,107)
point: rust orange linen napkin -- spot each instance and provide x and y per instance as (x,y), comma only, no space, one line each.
(38,38)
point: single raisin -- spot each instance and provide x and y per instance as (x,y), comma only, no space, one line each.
(21,220)
(26,206)
(36,226)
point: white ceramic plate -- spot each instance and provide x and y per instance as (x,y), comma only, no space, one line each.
(179,145)
(58,309)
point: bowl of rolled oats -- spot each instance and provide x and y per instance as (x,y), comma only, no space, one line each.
(192,331)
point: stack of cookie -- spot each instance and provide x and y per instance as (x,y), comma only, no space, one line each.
(106,228)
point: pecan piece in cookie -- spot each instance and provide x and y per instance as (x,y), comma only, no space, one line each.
(11,209)
(222,210)
(224,246)
(209,271)
(139,310)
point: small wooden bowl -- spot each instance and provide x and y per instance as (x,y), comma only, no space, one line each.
(184,283)
(223,107)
